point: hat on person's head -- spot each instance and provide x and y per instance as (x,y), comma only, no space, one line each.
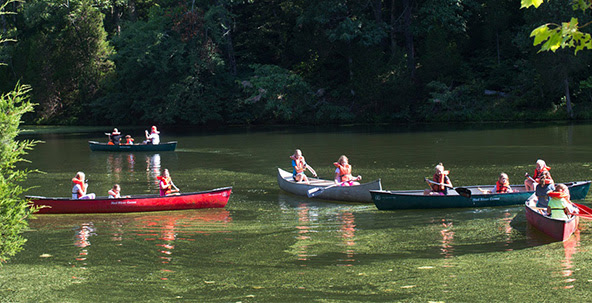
(128,136)
(154,130)
(115,132)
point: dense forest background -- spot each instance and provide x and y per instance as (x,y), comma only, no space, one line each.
(215,62)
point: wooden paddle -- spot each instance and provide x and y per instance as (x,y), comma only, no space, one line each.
(315,191)
(463,191)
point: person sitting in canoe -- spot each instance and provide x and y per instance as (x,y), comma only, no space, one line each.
(115,192)
(80,187)
(114,137)
(543,188)
(442,182)
(153,137)
(531,182)
(560,205)
(299,166)
(166,184)
(502,186)
(343,173)
(129,140)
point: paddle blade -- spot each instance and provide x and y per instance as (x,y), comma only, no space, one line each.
(314,192)
(583,209)
(465,192)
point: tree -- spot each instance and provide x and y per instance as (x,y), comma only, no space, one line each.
(570,34)
(14,209)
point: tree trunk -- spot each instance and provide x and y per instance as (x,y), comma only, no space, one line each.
(568,99)
(228,37)
(393,29)
(409,45)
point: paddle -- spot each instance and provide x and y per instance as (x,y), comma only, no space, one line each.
(314,173)
(463,191)
(315,191)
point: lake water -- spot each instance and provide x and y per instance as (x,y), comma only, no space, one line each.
(270,246)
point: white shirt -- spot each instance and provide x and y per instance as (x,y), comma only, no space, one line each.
(154,138)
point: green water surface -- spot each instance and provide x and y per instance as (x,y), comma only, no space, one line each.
(270,246)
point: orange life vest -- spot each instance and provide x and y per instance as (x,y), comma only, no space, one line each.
(165,185)
(344,171)
(440,178)
(300,164)
(129,141)
(538,173)
(559,195)
(82,185)
(502,188)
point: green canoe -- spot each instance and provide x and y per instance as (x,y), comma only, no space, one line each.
(96,146)
(415,199)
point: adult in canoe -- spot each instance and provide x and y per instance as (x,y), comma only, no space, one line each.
(153,137)
(343,172)
(299,166)
(543,188)
(442,182)
(166,185)
(114,137)
(80,187)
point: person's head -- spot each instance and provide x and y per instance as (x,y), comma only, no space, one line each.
(343,160)
(165,173)
(561,188)
(503,178)
(154,130)
(80,176)
(297,153)
(116,188)
(128,136)
(540,164)
(439,168)
(115,131)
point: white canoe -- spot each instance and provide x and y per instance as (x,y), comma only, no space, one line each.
(357,193)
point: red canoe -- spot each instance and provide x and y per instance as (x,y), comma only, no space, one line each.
(557,229)
(216,198)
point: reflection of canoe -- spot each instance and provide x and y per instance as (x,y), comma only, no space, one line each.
(216,198)
(557,229)
(358,193)
(96,146)
(415,199)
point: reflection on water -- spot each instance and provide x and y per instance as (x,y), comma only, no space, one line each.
(570,247)
(310,238)
(152,170)
(447,248)
(506,228)
(347,233)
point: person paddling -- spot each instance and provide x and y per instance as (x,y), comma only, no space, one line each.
(299,166)
(442,180)
(531,182)
(153,137)
(114,137)
(80,187)
(343,172)
(166,185)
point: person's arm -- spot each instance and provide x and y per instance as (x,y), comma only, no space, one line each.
(448,181)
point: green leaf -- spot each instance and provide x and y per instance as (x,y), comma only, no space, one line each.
(529,3)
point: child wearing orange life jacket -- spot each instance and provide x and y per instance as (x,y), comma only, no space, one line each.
(502,185)
(559,203)
(440,177)
(343,172)
(80,187)
(299,166)
(129,140)
(165,184)
(531,182)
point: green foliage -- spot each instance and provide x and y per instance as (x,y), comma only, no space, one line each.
(565,35)
(63,54)
(168,71)
(13,208)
